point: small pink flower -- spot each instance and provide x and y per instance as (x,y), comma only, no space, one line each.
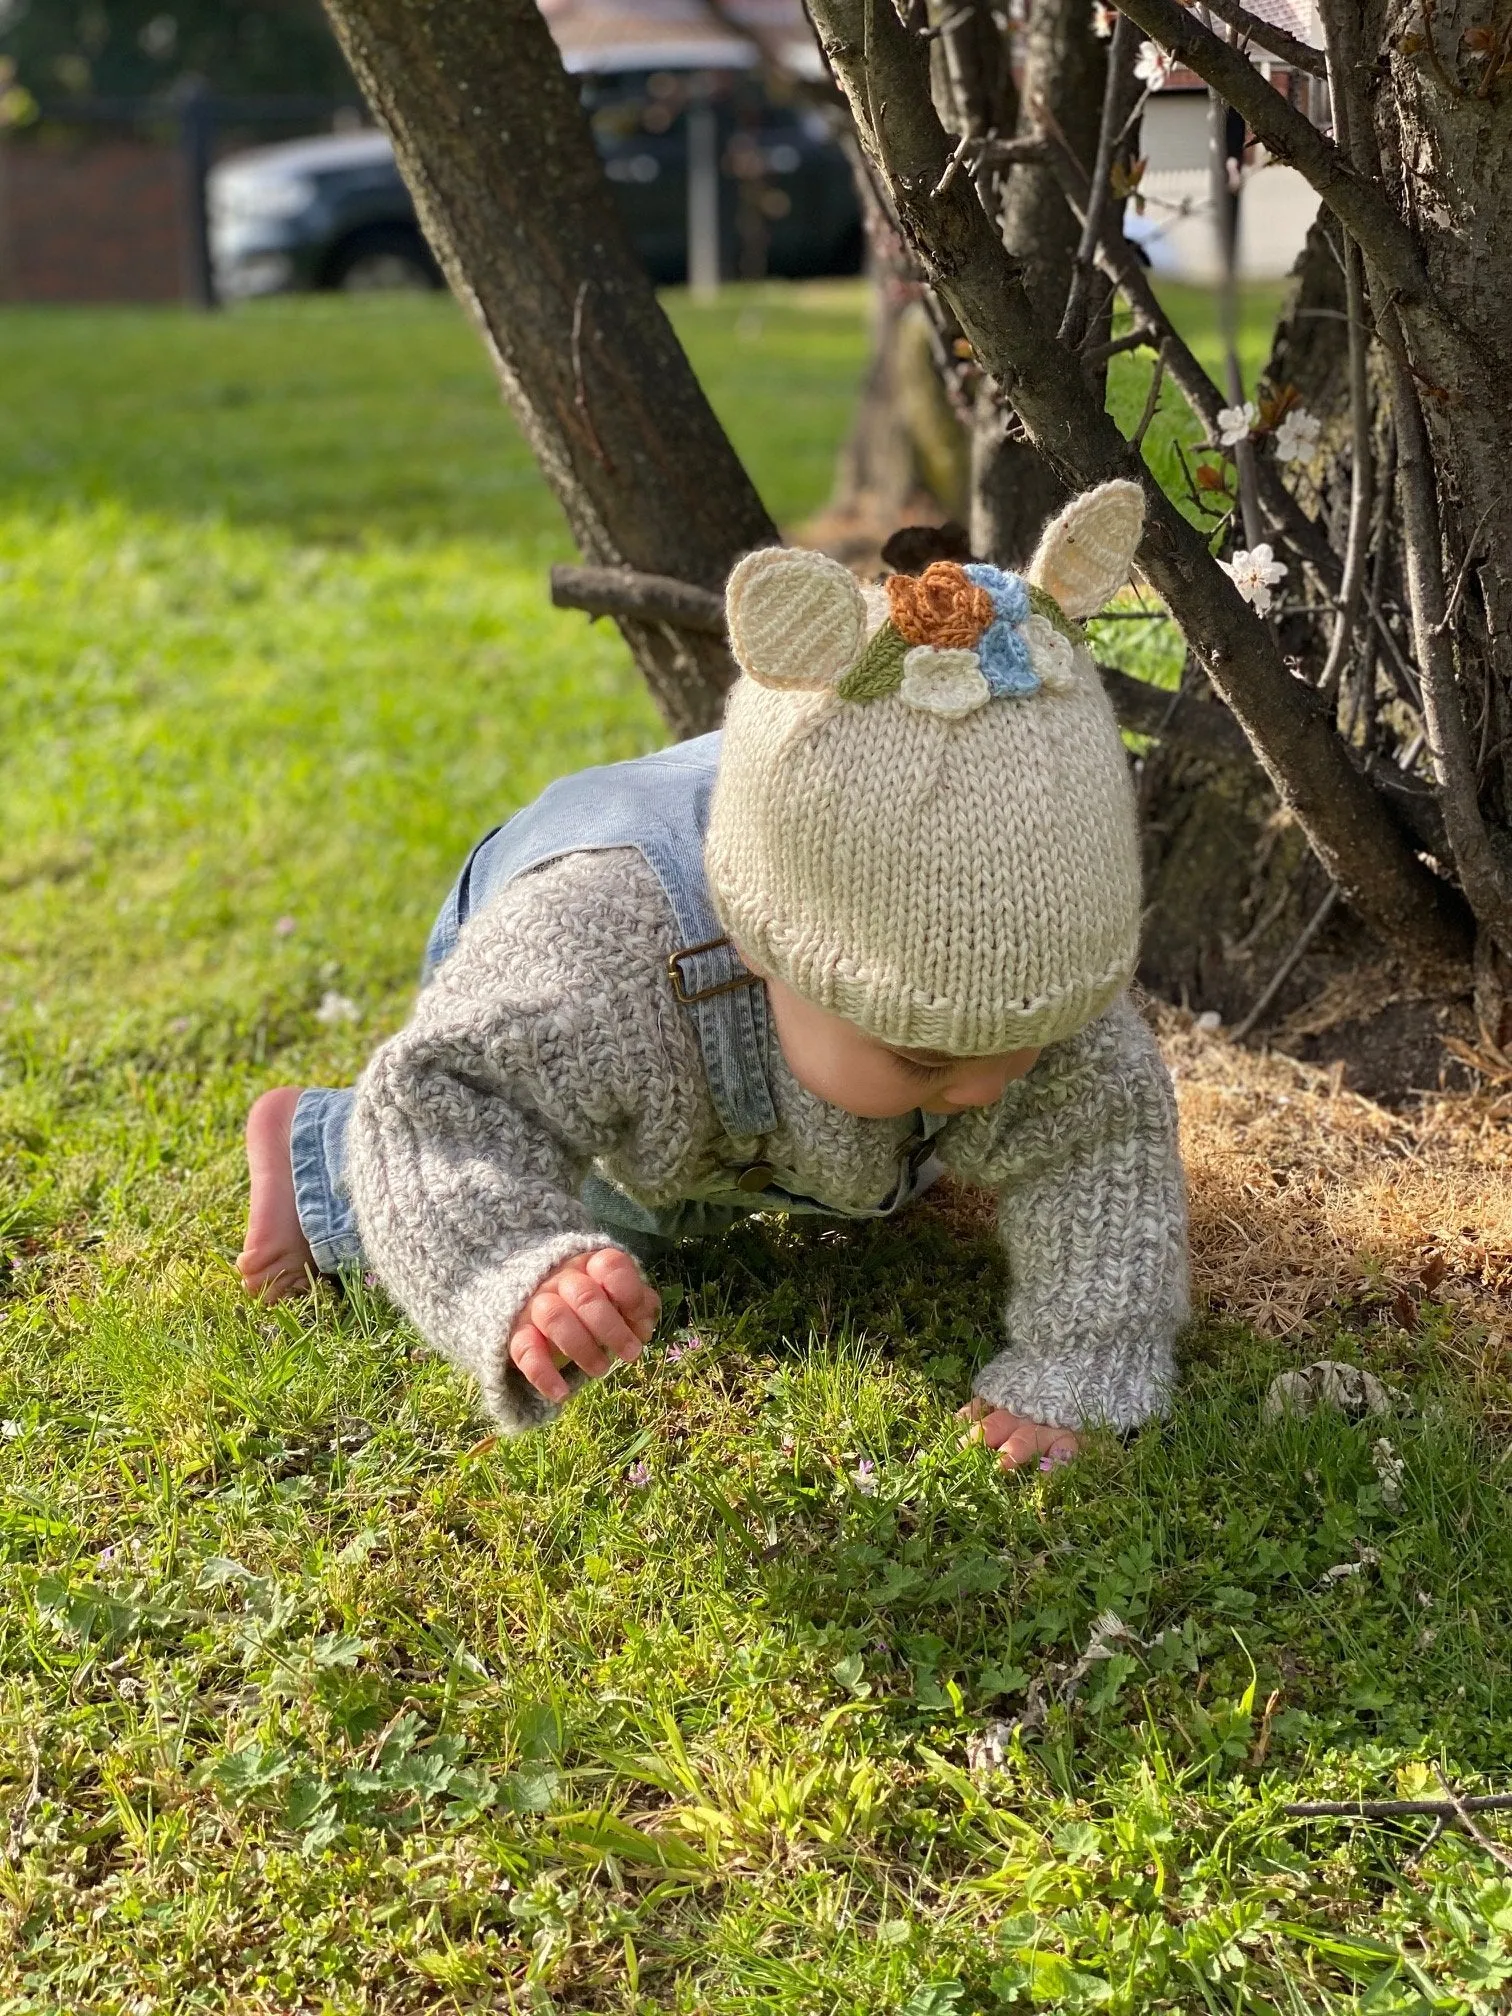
(1054,1459)
(283,926)
(639,1474)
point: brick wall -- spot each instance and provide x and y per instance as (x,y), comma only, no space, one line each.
(89,217)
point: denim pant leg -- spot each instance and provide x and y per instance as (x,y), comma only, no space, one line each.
(318,1151)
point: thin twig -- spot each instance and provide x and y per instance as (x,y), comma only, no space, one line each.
(964,146)
(1481,1839)
(1073,326)
(946,27)
(1152,402)
(1392,1809)
(1289,964)
(1471,556)
(1137,339)
(1007,153)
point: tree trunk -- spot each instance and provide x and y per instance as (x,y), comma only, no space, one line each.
(497,153)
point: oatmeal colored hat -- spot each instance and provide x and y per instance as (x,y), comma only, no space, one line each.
(923,818)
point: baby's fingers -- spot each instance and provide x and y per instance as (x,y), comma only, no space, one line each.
(625,1285)
(598,1315)
(537,1362)
(561,1326)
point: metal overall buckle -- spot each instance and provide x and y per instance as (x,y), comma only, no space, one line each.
(674,974)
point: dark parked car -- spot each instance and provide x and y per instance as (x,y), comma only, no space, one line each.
(333,211)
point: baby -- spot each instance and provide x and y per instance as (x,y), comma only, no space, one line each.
(881,925)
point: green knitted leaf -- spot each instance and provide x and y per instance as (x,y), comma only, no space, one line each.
(1043,603)
(879,669)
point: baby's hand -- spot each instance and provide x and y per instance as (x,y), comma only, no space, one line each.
(591,1311)
(1016,1439)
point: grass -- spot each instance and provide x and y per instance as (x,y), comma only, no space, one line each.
(312,1697)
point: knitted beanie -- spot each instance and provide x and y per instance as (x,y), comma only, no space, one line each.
(922,818)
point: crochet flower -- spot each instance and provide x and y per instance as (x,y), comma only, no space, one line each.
(948,683)
(1003,649)
(941,606)
(945,641)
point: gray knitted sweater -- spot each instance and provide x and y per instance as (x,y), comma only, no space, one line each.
(550,1043)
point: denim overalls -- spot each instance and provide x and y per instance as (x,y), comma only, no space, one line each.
(658,804)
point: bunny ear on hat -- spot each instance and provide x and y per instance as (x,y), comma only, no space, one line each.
(795,619)
(1085,554)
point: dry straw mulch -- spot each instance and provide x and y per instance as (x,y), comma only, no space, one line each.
(1309,1202)
(1307,1198)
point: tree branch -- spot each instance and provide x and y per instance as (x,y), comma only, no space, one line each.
(1265,35)
(1290,136)
(651,598)
(884,73)
(1073,328)
(1344,53)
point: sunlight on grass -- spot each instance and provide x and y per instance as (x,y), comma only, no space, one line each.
(314,1696)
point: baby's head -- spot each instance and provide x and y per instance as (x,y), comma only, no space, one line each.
(923,829)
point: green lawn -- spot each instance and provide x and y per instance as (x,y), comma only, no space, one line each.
(312,1697)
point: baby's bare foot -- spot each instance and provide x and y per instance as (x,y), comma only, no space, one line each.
(275,1259)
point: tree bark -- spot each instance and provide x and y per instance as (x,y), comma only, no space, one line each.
(497,153)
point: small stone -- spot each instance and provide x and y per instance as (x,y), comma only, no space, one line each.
(1210,1020)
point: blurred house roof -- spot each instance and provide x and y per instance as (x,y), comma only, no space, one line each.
(605,35)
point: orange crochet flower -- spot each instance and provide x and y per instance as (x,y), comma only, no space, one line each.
(939,607)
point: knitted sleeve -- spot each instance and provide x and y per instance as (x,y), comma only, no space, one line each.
(547,1037)
(1092,1212)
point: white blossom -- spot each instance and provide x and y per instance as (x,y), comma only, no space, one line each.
(336,1008)
(1297,435)
(1235,422)
(10,1430)
(1153,66)
(1104,20)
(1254,575)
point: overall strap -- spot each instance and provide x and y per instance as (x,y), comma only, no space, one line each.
(727,1001)
(657,804)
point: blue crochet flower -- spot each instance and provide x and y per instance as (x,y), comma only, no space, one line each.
(1001,647)
(1005,661)
(1010,594)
